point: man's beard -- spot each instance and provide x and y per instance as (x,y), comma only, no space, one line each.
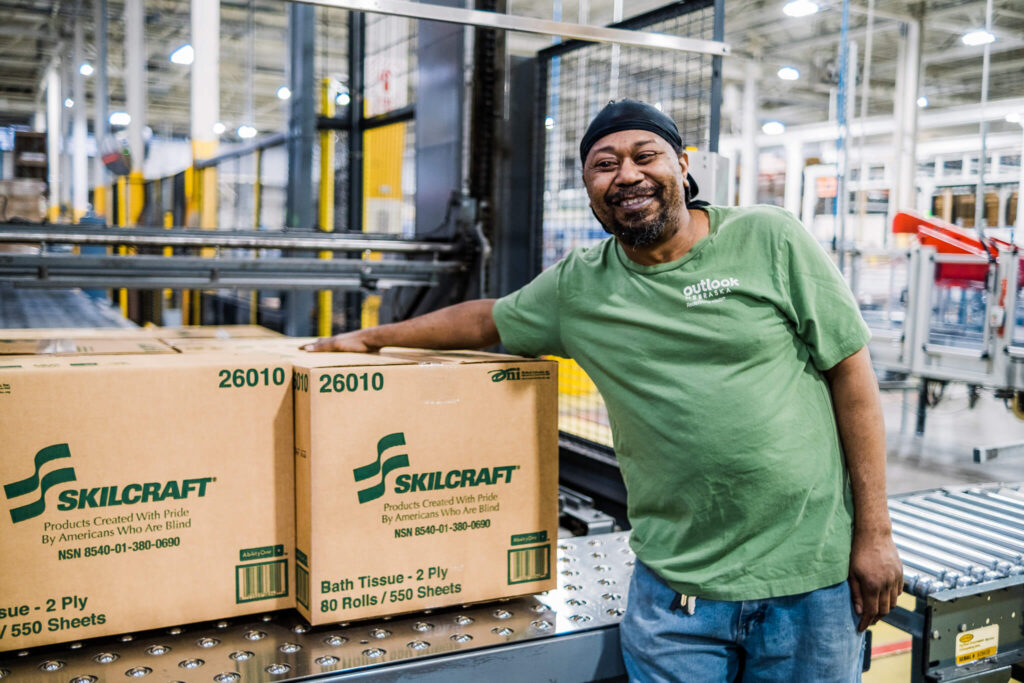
(645,231)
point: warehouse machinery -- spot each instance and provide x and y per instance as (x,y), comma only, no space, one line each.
(948,310)
(963,558)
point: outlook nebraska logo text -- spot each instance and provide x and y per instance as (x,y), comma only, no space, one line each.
(382,468)
(24,487)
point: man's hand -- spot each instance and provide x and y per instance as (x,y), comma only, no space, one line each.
(355,342)
(876,576)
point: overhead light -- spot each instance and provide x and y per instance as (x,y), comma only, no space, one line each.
(69,103)
(549,123)
(86,69)
(245,131)
(342,98)
(219,128)
(922,101)
(978,37)
(773,128)
(800,8)
(284,92)
(120,118)
(184,55)
(1013,117)
(788,73)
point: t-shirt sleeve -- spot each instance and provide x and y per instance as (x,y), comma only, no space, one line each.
(821,305)
(527,319)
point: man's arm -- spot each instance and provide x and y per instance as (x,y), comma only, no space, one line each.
(876,573)
(469,325)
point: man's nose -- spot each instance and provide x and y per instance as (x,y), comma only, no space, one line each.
(629,173)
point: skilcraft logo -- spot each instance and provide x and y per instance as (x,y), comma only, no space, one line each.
(52,478)
(516,374)
(422,481)
(382,468)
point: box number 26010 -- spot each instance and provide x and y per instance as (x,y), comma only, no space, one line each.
(251,377)
(351,382)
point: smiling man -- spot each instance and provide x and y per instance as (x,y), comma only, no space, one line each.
(745,415)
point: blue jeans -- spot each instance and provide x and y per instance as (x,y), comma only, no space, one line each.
(806,638)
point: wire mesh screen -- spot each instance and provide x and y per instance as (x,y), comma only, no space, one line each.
(579,84)
(390,82)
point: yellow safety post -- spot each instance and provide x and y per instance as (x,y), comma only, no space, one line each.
(168,251)
(191,220)
(122,221)
(257,199)
(324,300)
(99,200)
(383,149)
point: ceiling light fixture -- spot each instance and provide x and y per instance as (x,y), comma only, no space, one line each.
(1013,117)
(120,118)
(773,128)
(86,69)
(245,131)
(789,73)
(342,98)
(69,103)
(978,37)
(219,128)
(184,55)
(284,92)
(800,8)
(549,123)
(922,101)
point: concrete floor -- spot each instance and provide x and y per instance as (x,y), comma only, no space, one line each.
(942,456)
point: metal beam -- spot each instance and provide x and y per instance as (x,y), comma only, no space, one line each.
(469,17)
(241,239)
(152,272)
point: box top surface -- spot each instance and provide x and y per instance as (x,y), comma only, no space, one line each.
(394,355)
(226,361)
(50,346)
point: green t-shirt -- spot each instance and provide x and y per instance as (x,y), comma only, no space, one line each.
(710,367)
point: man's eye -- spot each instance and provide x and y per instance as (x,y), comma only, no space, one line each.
(645,156)
(604,164)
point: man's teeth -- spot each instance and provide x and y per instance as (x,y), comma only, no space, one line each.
(633,202)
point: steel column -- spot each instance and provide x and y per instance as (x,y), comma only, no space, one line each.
(302,136)
(748,157)
(100,126)
(79,130)
(53,135)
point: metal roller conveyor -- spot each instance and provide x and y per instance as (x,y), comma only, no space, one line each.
(963,559)
(939,536)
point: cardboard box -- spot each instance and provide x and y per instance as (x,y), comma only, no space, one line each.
(213,332)
(285,345)
(422,480)
(90,332)
(71,346)
(141,492)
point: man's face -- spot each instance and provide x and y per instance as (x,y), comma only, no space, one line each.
(635,181)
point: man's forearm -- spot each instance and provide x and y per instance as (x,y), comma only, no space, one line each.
(469,325)
(858,412)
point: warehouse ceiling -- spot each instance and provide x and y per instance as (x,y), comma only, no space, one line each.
(34,32)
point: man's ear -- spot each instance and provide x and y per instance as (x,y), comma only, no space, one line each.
(684,162)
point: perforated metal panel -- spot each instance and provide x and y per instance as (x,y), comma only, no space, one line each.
(579,82)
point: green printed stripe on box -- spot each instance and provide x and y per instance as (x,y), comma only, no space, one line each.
(526,539)
(247,554)
(301,558)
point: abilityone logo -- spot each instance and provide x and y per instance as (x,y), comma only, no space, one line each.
(100,496)
(49,480)
(422,481)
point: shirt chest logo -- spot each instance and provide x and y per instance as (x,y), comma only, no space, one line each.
(709,290)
